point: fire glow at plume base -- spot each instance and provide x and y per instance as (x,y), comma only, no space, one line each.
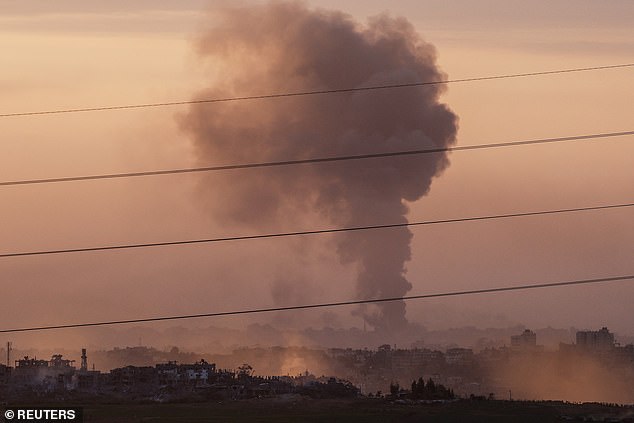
(286,47)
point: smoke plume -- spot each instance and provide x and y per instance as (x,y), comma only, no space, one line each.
(286,47)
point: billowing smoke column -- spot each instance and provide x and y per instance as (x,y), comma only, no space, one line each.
(285,47)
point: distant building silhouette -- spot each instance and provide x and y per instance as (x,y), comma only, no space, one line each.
(5,374)
(600,340)
(459,356)
(527,340)
(55,373)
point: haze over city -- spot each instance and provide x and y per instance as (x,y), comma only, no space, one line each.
(79,54)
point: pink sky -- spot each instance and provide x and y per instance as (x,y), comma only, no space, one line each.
(140,53)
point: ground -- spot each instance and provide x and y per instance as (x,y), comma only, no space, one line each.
(296,409)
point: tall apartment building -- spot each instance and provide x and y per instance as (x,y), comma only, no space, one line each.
(595,340)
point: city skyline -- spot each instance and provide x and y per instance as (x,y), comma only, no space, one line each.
(86,54)
(597,369)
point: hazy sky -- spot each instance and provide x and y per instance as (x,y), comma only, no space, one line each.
(82,53)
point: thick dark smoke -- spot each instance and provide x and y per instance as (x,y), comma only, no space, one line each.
(286,47)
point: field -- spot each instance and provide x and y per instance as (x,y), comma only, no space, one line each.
(362,410)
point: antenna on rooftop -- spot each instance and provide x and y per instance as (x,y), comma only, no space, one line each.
(84,360)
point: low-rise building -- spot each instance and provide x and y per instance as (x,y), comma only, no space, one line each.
(56,373)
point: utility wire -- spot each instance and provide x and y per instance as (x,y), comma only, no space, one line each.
(314,160)
(323,305)
(313,232)
(315,92)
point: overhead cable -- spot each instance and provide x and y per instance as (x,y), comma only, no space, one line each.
(323,305)
(313,160)
(313,92)
(313,232)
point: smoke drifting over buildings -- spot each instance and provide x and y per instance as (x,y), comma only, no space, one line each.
(287,47)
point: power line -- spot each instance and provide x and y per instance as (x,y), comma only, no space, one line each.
(314,160)
(315,92)
(312,232)
(323,305)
